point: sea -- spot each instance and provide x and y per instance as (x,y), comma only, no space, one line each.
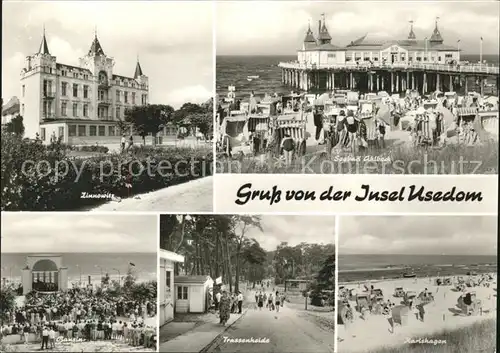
(90,264)
(233,71)
(372,267)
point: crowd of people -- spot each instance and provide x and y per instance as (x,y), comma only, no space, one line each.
(82,314)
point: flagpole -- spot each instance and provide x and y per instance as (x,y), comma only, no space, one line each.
(481,51)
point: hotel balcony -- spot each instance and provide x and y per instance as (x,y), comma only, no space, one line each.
(48,116)
(106,118)
(104,84)
(104,101)
(49,95)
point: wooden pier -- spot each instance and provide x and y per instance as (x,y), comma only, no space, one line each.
(393,78)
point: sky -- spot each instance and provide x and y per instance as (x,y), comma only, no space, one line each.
(59,232)
(173,42)
(294,230)
(418,235)
(279,27)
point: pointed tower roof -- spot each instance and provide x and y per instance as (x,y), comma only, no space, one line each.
(411,35)
(95,48)
(44,48)
(138,70)
(309,35)
(436,35)
(324,36)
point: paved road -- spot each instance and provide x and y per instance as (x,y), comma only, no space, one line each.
(193,196)
(285,330)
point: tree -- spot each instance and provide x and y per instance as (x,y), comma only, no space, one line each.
(148,119)
(130,279)
(7,303)
(193,115)
(105,280)
(122,126)
(16,126)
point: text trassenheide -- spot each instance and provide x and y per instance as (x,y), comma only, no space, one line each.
(412,193)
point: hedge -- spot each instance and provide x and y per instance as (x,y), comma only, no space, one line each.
(45,190)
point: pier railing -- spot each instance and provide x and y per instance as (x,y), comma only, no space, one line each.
(466,69)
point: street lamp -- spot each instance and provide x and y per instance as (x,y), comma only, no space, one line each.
(425,53)
(80,269)
(119,276)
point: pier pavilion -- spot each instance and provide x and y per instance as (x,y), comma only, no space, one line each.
(374,64)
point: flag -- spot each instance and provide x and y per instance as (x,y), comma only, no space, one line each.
(481,38)
(458,41)
(218,280)
(131,264)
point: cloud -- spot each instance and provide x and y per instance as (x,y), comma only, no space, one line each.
(459,235)
(194,94)
(294,230)
(78,233)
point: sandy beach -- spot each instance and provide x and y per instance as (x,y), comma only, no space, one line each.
(374,332)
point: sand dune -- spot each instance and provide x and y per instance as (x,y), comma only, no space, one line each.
(363,335)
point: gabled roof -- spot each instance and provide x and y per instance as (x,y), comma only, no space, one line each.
(323,47)
(71,67)
(323,34)
(95,48)
(191,279)
(138,70)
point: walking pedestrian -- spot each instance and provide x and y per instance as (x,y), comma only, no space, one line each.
(260,301)
(225,306)
(388,315)
(240,302)
(52,338)
(122,143)
(45,338)
(277,302)
(270,303)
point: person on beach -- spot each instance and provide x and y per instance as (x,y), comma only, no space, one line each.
(421,311)
(224,307)
(270,302)
(288,147)
(217,300)
(45,338)
(277,301)
(388,316)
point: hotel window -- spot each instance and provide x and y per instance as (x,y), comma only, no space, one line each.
(118,115)
(64,86)
(64,107)
(117,96)
(357,56)
(101,95)
(448,56)
(75,74)
(125,97)
(24,90)
(75,90)
(82,130)
(102,130)
(133,97)
(182,293)
(63,72)
(92,130)
(144,99)
(61,131)
(366,56)
(85,110)
(42,134)
(71,130)
(111,130)
(439,58)
(85,91)
(75,109)
(85,77)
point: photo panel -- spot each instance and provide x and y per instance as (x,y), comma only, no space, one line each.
(247,283)
(79,282)
(107,106)
(357,87)
(417,284)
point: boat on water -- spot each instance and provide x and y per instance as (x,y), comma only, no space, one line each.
(253,77)
(409,273)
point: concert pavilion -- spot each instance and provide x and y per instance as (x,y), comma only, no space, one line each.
(44,273)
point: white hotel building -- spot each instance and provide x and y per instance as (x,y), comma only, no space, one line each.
(81,104)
